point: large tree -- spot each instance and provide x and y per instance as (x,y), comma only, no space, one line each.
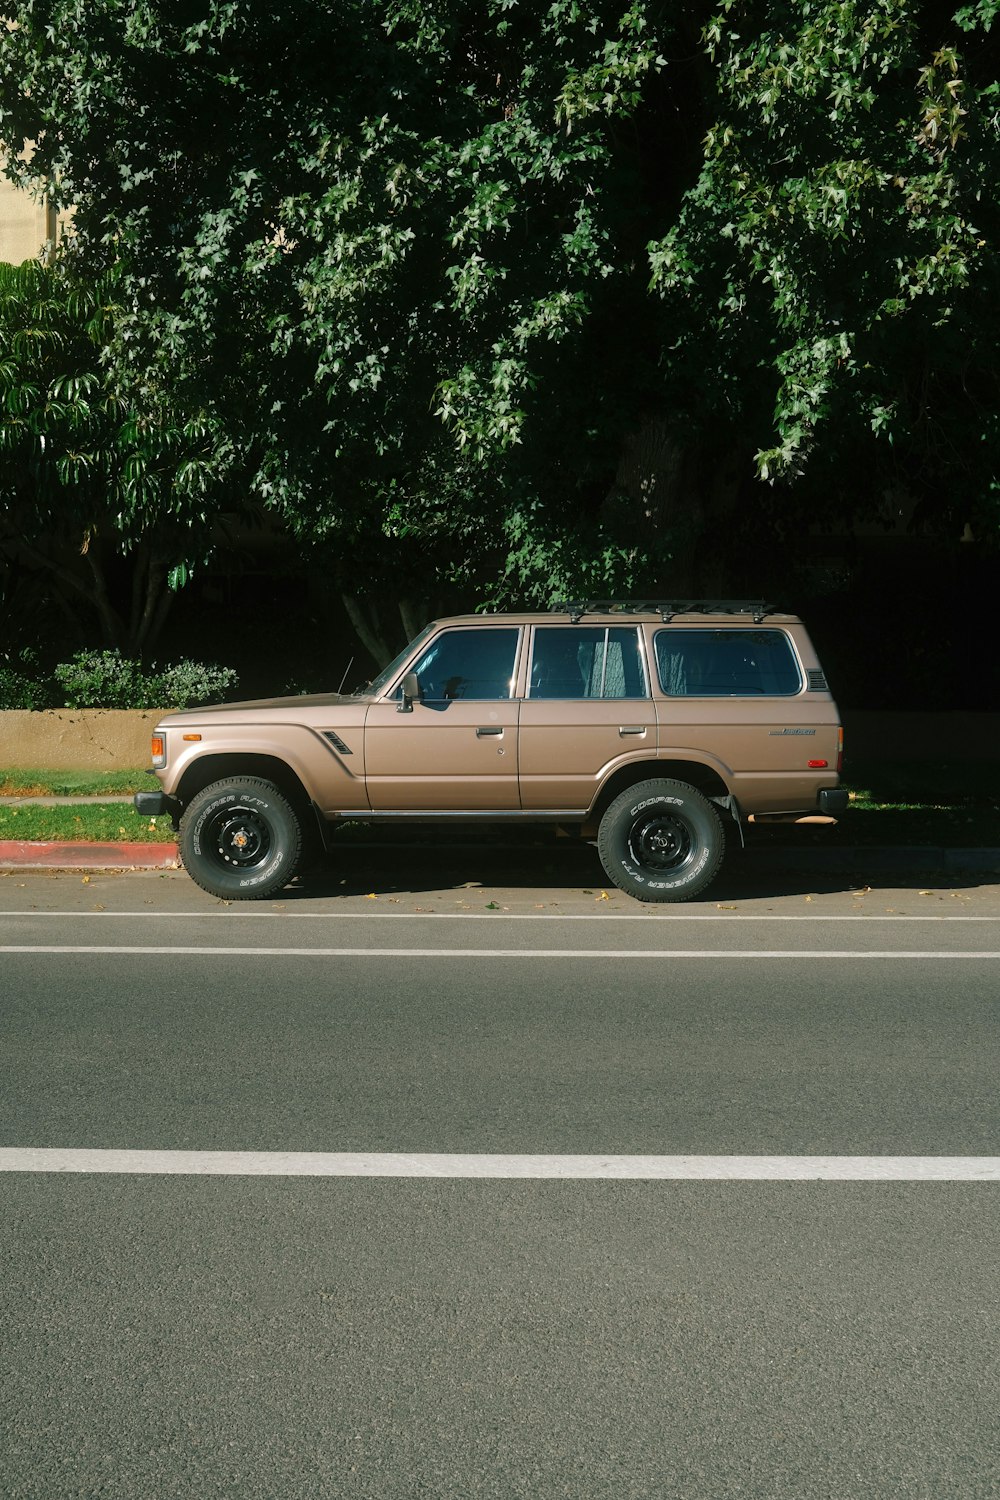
(539,298)
(109,493)
(397,241)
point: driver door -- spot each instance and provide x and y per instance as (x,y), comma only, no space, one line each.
(456,749)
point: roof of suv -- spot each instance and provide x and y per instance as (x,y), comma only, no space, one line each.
(749,612)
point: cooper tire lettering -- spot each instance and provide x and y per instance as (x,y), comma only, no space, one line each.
(661,841)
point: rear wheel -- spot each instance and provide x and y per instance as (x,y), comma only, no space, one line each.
(661,841)
(241,839)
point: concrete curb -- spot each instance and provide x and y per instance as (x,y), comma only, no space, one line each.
(15,855)
(856,861)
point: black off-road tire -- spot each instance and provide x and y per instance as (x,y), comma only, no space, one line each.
(241,839)
(661,841)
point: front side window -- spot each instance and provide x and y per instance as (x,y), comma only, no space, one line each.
(468,664)
(726,663)
(587,661)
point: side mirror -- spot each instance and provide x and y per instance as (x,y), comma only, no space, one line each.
(409,689)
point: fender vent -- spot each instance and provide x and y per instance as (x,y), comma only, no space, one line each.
(337,742)
(817,680)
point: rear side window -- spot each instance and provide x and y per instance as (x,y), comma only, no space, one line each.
(726,663)
(476,663)
(587,661)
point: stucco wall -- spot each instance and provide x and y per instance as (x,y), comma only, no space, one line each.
(76,739)
(26,224)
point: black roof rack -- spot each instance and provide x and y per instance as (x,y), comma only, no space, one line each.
(665,608)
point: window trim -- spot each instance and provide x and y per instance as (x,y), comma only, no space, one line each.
(641,656)
(675,630)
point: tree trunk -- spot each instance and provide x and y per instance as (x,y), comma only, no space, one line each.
(363,615)
(112,624)
(155,597)
(414,615)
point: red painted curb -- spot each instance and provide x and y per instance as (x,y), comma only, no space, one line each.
(15,854)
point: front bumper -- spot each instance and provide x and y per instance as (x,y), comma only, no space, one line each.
(155,805)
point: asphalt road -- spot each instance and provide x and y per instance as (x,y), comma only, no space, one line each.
(206,1332)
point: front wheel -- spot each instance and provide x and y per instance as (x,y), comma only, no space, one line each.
(661,841)
(241,839)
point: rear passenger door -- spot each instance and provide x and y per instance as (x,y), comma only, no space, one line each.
(587,707)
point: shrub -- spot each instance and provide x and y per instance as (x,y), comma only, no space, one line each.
(18,691)
(22,685)
(188,682)
(106,679)
(103,679)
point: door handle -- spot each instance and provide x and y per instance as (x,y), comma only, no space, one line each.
(624,729)
(488,729)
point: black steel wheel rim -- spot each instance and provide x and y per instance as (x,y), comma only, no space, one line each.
(660,841)
(239,838)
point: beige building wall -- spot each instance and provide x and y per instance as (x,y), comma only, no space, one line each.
(27,226)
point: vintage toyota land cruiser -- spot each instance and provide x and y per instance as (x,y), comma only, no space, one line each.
(645,723)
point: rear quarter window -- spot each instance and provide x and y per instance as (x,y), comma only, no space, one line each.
(726,663)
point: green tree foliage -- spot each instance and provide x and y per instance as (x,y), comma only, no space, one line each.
(837,260)
(542,298)
(110,490)
(392,238)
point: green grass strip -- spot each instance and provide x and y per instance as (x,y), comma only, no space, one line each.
(33,783)
(102,824)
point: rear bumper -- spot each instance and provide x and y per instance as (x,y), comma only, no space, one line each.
(833,801)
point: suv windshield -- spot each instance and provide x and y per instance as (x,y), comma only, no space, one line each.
(382,681)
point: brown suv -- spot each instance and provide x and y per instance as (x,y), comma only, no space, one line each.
(645,723)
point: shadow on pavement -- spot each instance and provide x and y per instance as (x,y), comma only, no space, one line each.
(472,869)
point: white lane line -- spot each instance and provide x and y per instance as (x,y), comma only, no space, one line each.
(499,916)
(409,1164)
(618,954)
